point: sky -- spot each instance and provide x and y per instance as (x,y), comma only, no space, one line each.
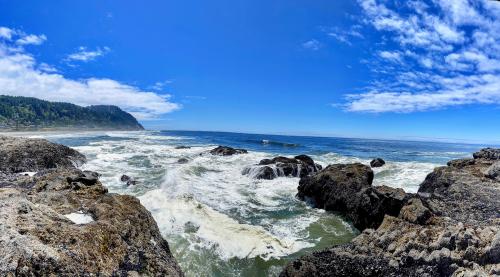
(368,68)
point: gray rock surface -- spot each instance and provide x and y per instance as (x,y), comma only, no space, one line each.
(63,222)
(378,162)
(450,228)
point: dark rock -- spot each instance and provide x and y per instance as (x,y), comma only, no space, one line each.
(227,151)
(461,162)
(488,154)
(37,239)
(493,171)
(22,155)
(415,212)
(182,147)
(298,166)
(183,161)
(378,162)
(450,228)
(130,181)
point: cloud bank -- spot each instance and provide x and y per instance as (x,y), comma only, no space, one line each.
(22,75)
(440,53)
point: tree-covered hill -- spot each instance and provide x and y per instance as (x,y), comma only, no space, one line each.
(20,113)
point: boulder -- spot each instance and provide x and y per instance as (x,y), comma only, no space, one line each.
(28,155)
(227,151)
(493,171)
(130,181)
(461,162)
(378,162)
(298,166)
(415,212)
(63,222)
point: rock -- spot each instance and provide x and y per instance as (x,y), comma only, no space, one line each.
(298,166)
(346,188)
(183,161)
(378,162)
(461,162)
(227,151)
(450,228)
(182,147)
(493,171)
(37,239)
(415,212)
(130,181)
(28,155)
(488,154)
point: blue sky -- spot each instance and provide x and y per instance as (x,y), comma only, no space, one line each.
(367,68)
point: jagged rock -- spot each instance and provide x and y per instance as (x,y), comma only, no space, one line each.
(227,151)
(298,166)
(21,155)
(378,162)
(461,162)
(130,181)
(450,228)
(37,238)
(183,161)
(488,154)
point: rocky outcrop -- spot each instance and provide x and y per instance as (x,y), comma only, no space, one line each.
(378,162)
(227,151)
(130,181)
(347,188)
(299,166)
(450,228)
(21,155)
(63,222)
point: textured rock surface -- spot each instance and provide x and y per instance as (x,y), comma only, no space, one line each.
(347,188)
(227,151)
(450,228)
(21,155)
(37,239)
(378,162)
(299,166)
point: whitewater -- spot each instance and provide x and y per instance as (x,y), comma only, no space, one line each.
(220,222)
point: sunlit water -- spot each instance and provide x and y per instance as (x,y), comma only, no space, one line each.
(219,222)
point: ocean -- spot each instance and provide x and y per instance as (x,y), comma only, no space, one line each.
(219,222)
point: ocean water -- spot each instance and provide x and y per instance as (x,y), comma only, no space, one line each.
(219,222)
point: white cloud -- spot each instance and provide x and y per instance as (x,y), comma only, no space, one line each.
(22,75)
(31,39)
(6,33)
(448,54)
(161,85)
(85,55)
(312,45)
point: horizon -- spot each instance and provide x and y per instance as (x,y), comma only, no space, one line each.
(425,70)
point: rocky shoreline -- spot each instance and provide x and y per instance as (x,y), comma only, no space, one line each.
(451,227)
(56,220)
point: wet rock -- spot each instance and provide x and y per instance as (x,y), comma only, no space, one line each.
(130,181)
(37,239)
(183,161)
(183,147)
(28,155)
(227,151)
(450,228)
(461,162)
(298,166)
(378,162)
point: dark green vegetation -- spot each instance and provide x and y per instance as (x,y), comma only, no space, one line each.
(21,113)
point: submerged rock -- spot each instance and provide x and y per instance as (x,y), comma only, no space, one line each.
(183,147)
(183,161)
(130,181)
(378,162)
(227,151)
(450,228)
(63,222)
(299,166)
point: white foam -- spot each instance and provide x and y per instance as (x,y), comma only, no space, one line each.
(79,217)
(28,173)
